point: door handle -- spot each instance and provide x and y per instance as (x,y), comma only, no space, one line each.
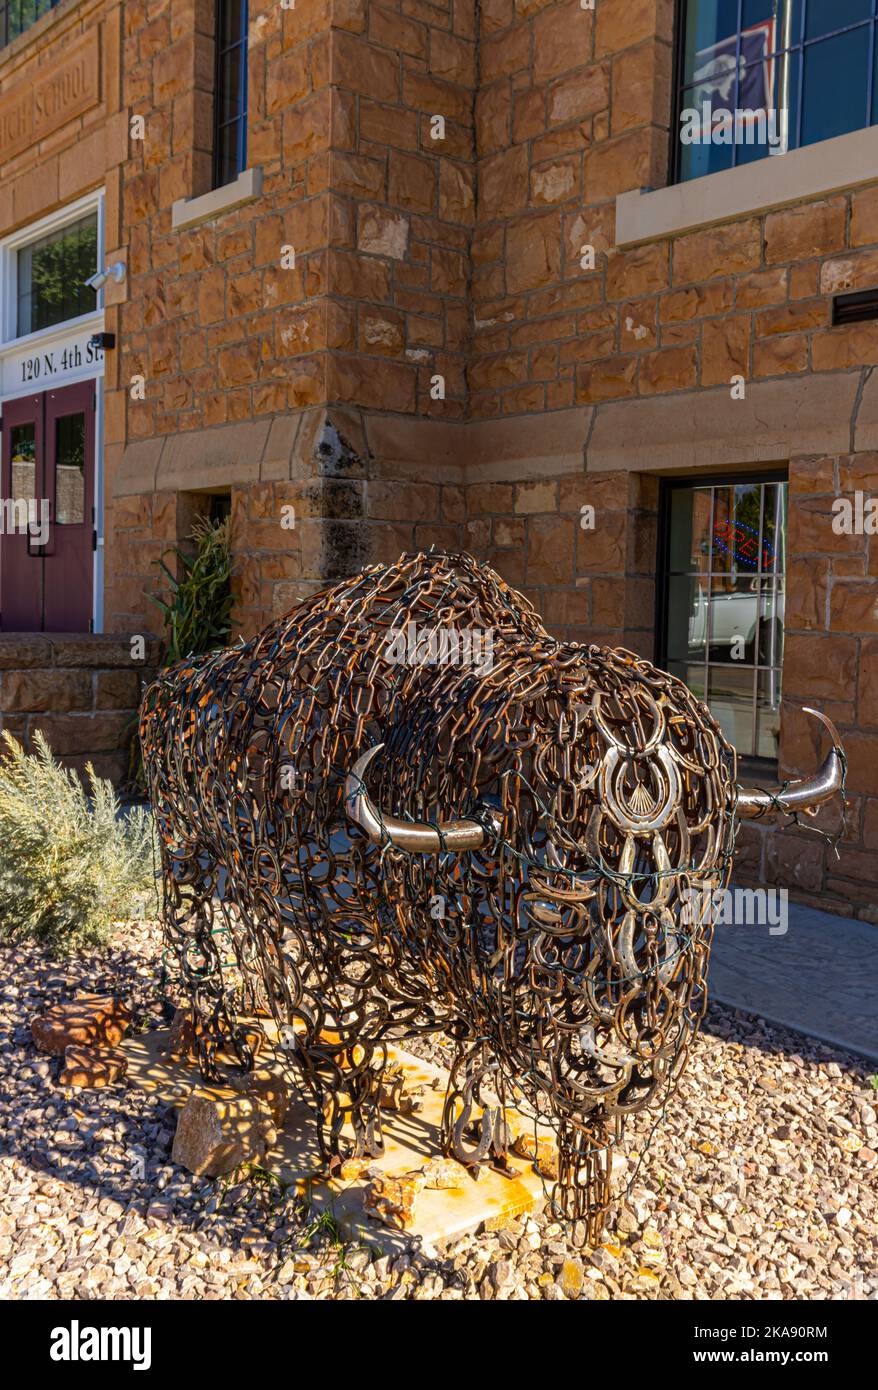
(49,548)
(38,549)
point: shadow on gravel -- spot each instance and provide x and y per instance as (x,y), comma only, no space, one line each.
(114,1143)
(736,1025)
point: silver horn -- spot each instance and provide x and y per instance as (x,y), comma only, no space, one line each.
(418,837)
(805,795)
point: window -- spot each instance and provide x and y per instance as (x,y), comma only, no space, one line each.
(230,92)
(723,602)
(18,15)
(51,274)
(23,460)
(70,469)
(757,77)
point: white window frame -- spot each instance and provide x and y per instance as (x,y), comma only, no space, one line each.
(35,231)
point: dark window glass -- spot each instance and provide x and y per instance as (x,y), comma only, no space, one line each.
(18,15)
(52,274)
(825,16)
(724,602)
(24,462)
(70,470)
(758,77)
(835,87)
(230,92)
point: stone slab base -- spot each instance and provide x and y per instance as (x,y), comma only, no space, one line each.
(410,1141)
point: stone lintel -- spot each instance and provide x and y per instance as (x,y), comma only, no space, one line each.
(542,445)
(701,429)
(425,450)
(866,416)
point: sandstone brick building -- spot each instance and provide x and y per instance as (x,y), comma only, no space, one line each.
(432,273)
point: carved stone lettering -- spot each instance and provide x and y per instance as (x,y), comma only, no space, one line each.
(64,90)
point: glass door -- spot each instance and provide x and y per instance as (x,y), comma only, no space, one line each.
(23,516)
(725,560)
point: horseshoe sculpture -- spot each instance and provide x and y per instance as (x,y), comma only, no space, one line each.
(370,845)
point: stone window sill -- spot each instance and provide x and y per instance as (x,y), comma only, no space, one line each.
(187,212)
(772,182)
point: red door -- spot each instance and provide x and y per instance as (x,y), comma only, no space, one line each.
(69,555)
(22,488)
(46,574)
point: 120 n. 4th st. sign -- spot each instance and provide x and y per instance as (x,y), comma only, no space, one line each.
(52,359)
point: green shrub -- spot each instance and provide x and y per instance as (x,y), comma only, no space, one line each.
(198,617)
(70,864)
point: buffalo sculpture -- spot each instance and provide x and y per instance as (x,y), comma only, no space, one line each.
(404,808)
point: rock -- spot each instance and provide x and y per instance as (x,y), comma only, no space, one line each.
(571,1278)
(92,1066)
(606,1257)
(270,1090)
(215,1134)
(187,1028)
(501,1274)
(543,1152)
(627,1222)
(90,1020)
(353,1168)
(444,1173)
(396,1094)
(181,1038)
(392,1199)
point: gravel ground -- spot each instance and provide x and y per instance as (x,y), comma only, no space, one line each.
(760,1183)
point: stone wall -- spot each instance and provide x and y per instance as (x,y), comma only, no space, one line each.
(590,584)
(65,157)
(574,109)
(379,216)
(81,692)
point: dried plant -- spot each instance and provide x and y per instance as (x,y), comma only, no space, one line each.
(71,861)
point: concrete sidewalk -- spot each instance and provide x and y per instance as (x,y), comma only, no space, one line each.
(821,978)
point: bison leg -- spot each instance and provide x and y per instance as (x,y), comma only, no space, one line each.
(365,1088)
(585,1159)
(189,884)
(345,1085)
(473,1139)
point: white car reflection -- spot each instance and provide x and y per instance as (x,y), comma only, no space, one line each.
(723,619)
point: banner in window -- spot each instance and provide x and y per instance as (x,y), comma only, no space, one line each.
(733,88)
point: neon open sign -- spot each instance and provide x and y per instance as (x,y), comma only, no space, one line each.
(739,540)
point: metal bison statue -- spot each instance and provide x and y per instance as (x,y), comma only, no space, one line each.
(404,808)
